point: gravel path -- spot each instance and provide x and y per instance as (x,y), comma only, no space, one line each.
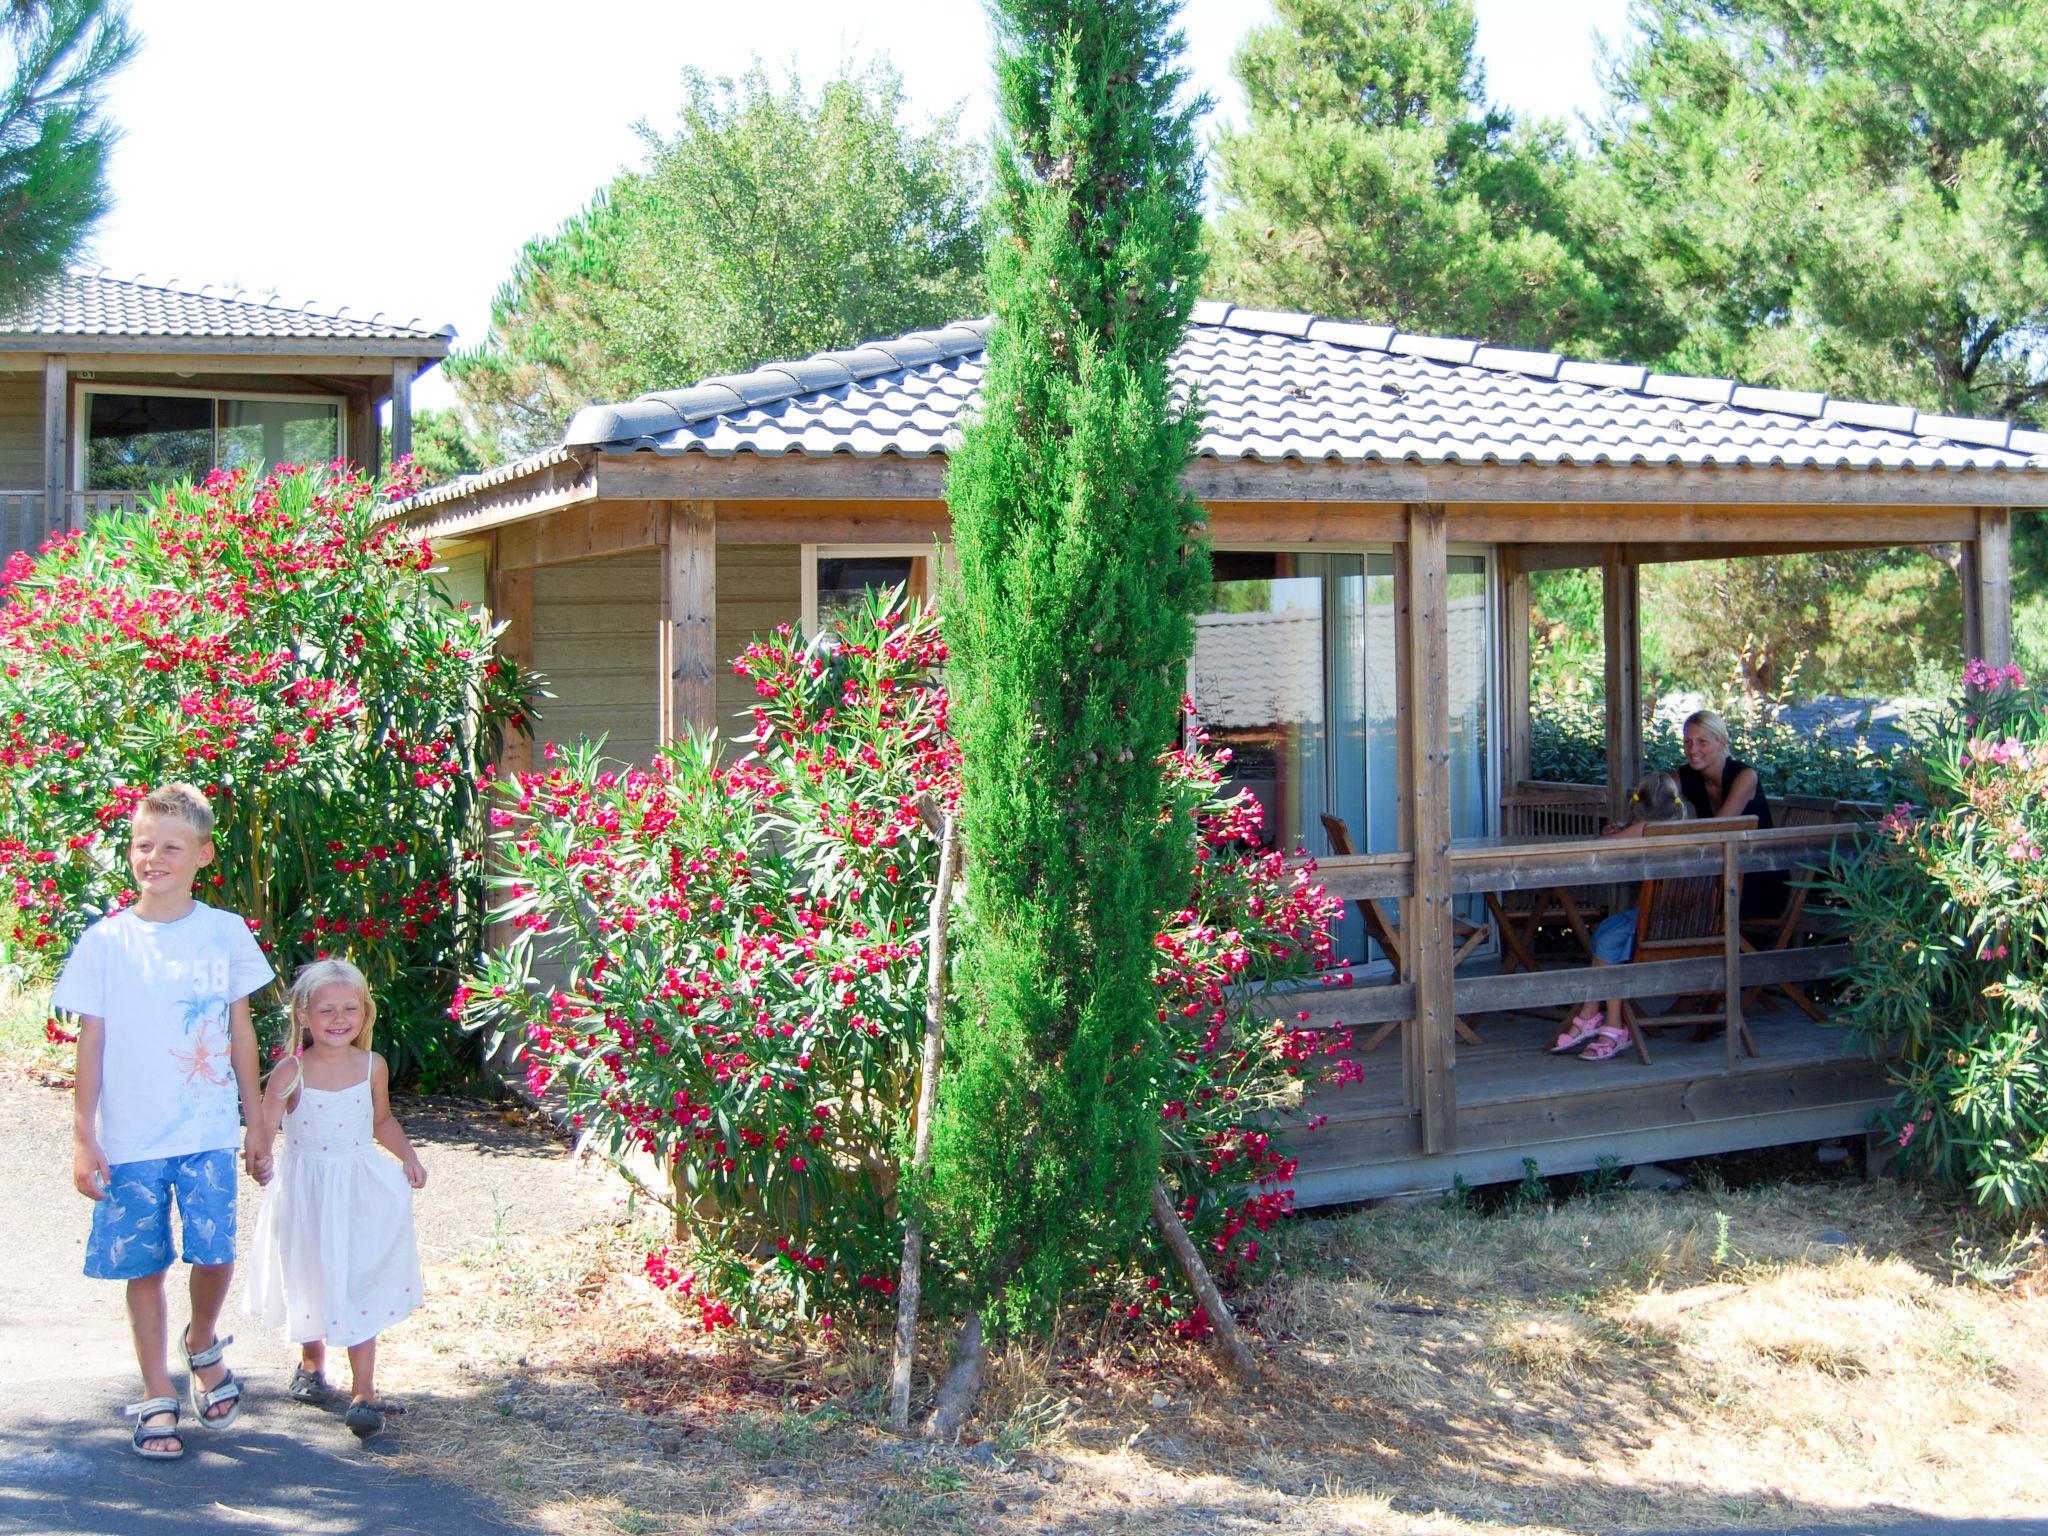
(66,1366)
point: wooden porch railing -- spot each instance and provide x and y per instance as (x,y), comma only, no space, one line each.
(25,522)
(1537,865)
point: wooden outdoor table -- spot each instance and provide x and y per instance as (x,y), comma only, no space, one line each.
(1516,940)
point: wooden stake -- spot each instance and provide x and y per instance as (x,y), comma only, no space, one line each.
(910,1284)
(1235,1350)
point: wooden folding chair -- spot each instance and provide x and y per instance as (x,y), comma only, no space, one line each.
(1781,931)
(1683,918)
(1536,810)
(1387,934)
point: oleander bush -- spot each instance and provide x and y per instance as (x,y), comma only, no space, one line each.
(719,964)
(1948,912)
(280,642)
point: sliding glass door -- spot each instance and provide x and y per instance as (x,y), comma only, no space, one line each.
(1294,672)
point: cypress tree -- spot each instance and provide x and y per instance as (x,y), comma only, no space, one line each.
(1080,561)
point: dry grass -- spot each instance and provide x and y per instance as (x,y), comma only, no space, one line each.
(1636,1361)
(25,1051)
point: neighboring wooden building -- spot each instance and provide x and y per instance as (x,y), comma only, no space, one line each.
(1377,503)
(110,386)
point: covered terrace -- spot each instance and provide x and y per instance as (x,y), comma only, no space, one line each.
(1377,503)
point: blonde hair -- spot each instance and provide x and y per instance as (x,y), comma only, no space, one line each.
(182,802)
(1658,798)
(1709,722)
(326,973)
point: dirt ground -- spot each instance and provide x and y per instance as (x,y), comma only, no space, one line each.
(1789,1355)
(1710,1360)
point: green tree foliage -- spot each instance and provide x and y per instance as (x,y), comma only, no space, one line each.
(1080,563)
(441,449)
(548,352)
(60,55)
(773,222)
(1373,180)
(1844,196)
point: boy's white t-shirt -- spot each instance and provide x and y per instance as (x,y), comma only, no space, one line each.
(167,1086)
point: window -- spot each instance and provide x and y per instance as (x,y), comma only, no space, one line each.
(136,442)
(1293,671)
(837,580)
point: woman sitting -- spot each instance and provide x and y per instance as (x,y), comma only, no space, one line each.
(1715,784)
(1590,1031)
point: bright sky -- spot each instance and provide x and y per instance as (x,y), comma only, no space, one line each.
(395,154)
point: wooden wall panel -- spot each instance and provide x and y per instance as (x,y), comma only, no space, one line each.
(21,431)
(596,639)
(758,588)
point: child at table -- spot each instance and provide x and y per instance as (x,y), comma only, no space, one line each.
(1599,1034)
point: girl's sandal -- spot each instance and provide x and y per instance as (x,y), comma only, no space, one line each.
(1609,1041)
(1577,1033)
(229,1391)
(308,1387)
(365,1419)
(149,1438)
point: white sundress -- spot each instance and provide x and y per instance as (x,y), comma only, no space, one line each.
(334,1257)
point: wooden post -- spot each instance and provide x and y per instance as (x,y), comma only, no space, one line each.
(365,440)
(1426,749)
(1965,564)
(510,588)
(1621,612)
(401,408)
(1731,946)
(1404,781)
(1993,571)
(56,445)
(689,620)
(1237,1354)
(1515,668)
(910,1282)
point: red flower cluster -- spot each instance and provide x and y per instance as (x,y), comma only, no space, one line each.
(737,954)
(279,642)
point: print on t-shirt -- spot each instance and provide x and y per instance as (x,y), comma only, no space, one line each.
(166,992)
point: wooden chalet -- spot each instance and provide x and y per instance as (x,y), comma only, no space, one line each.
(1377,503)
(111,387)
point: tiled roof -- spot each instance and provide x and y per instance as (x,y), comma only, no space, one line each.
(100,305)
(1279,387)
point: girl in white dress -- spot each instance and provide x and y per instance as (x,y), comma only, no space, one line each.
(335,1261)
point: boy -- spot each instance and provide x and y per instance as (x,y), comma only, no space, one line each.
(165,1049)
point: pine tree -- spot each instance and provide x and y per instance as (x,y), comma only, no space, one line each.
(1080,561)
(53,140)
(1372,180)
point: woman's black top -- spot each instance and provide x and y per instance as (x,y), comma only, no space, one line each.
(1763,893)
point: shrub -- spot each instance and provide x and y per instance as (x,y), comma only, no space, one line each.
(1948,914)
(1568,744)
(281,643)
(736,961)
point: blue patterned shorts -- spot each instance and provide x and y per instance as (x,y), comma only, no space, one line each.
(131,1228)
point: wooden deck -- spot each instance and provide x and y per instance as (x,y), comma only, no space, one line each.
(1516,1101)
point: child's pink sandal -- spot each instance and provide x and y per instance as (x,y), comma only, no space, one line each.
(1577,1033)
(1609,1040)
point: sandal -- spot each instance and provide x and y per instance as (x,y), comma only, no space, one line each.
(149,1438)
(1609,1041)
(308,1386)
(1577,1033)
(365,1418)
(229,1391)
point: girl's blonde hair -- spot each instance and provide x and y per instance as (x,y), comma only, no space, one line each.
(1658,798)
(326,973)
(1709,722)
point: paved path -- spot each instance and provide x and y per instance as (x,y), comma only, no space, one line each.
(66,1366)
